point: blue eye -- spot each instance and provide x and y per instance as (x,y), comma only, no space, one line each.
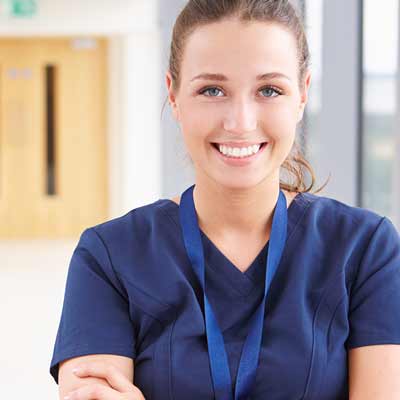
(266,88)
(208,90)
(273,89)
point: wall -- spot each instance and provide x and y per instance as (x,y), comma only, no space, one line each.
(178,173)
(33,273)
(66,17)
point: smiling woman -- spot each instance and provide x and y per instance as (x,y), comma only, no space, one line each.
(210,82)
(234,100)
(245,286)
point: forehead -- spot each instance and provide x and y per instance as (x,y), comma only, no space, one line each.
(234,47)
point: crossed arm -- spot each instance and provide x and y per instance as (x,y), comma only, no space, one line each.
(104,376)
(374,372)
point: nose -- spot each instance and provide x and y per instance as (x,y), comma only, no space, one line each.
(241,117)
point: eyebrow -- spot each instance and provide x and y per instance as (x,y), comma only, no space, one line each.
(221,77)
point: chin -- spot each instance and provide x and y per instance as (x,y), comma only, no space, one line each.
(239,183)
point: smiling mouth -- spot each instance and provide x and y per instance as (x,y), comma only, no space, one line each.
(216,145)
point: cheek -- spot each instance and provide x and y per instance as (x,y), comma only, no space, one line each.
(199,117)
(196,133)
(197,125)
(279,122)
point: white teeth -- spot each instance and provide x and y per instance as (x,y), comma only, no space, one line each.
(239,152)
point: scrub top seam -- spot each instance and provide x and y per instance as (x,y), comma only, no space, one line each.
(306,206)
(163,303)
(147,313)
(111,263)
(356,272)
(312,361)
(340,301)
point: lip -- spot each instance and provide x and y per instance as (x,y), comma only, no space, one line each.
(239,162)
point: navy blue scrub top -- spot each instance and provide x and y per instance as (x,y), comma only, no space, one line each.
(131,291)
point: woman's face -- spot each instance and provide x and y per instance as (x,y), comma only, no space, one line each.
(237,107)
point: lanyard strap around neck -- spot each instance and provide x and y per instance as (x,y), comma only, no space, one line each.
(221,377)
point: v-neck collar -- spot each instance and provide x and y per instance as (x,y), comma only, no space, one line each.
(219,265)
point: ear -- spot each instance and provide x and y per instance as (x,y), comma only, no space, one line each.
(304,95)
(171,96)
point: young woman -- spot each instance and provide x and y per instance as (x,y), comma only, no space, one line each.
(245,286)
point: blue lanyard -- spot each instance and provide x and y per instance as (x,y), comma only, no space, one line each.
(216,348)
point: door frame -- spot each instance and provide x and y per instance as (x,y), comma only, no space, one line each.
(133,67)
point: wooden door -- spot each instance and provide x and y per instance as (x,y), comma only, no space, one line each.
(53,158)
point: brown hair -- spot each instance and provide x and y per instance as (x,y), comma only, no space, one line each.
(198,13)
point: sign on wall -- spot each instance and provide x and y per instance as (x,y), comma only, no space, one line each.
(23,8)
(18,8)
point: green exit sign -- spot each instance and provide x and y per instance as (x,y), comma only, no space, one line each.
(23,8)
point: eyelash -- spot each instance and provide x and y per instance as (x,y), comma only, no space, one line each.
(202,91)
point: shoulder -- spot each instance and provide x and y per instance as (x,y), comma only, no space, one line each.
(123,244)
(329,208)
(130,235)
(338,220)
(339,234)
(138,222)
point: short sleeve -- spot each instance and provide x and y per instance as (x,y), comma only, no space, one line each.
(95,316)
(374,304)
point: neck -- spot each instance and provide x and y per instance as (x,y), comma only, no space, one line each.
(235,212)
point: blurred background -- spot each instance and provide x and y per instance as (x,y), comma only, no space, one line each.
(83,140)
